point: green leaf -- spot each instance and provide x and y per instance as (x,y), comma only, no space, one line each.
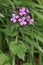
(34,43)
(7,64)
(0,39)
(27,64)
(40,2)
(37,14)
(38,37)
(21,55)
(35,35)
(12,4)
(18,49)
(1,15)
(3,58)
(9,32)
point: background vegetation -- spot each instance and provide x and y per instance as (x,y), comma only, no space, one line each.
(21,45)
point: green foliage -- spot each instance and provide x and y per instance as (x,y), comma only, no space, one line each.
(18,40)
(7,64)
(3,58)
(18,49)
(40,2)
(26,64)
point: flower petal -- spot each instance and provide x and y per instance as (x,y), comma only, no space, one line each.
(16,16)
(23,9)
(27,10)
(13,15)
(21,23)
(20,14)
(31,21)
(25,23)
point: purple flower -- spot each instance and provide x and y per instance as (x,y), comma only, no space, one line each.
(31,21)
(22,16)
(28,18)
(19,19)
(22,9)
(22,21)
(27,10)
(15,16)
(13,20)
(22,12)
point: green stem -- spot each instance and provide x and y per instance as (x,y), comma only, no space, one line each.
(16,40)
(32,49)
(13,63)
(40,58)
(32,55)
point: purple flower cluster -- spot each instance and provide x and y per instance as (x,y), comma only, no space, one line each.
(21,15)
